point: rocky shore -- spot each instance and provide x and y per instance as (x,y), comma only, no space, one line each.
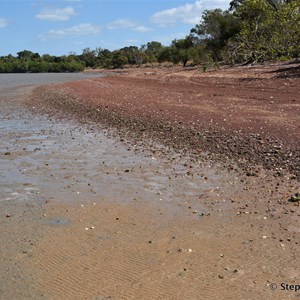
(249,115)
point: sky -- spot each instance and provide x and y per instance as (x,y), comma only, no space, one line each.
(66,26)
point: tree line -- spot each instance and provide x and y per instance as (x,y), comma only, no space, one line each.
(249,31)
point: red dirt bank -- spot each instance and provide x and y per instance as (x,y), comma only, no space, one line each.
(250,114)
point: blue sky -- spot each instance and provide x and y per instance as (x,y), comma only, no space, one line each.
(64,26)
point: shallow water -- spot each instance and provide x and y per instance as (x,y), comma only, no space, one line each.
(43,158)
(12,81)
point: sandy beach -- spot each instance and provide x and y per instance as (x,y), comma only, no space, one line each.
(152,183)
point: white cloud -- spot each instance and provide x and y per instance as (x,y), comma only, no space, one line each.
(3,22)
(167,39)
(127,24)
(57,14)
(142,29)
(81,29)
(120,23)
(189,13)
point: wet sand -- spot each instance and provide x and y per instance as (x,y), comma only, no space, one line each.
(88,214)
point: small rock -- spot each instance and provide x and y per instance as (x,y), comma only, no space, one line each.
(264,237)
(295,197)
(8,215)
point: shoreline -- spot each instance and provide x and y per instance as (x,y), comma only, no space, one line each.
(89,213)
(184,110)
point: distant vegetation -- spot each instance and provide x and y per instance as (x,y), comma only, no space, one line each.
(250,31)
(27,61)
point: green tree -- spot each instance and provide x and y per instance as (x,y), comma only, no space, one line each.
(268,32)
(274,4)
(152,50)
(104,58)
(25,55)
(131,53)
(89,57)
(164,55)
(215,29)
(119,60)
(181,50)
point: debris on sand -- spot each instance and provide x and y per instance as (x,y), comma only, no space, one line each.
(295,197)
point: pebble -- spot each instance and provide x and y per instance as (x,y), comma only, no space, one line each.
(295,197)
(264,237)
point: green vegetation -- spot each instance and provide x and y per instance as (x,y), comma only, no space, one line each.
(250,31)
(27,61)
(270,30)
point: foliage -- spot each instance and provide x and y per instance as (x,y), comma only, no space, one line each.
(249,31)
(215,29)
(152,51)
(119,60)
(268,32)
(28,62)
(181,50)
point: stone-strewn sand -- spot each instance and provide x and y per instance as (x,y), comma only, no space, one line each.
(186,200)
(245,113)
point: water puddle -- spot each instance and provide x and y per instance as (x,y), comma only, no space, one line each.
(71,162)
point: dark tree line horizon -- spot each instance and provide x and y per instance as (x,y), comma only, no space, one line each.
(250,31)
